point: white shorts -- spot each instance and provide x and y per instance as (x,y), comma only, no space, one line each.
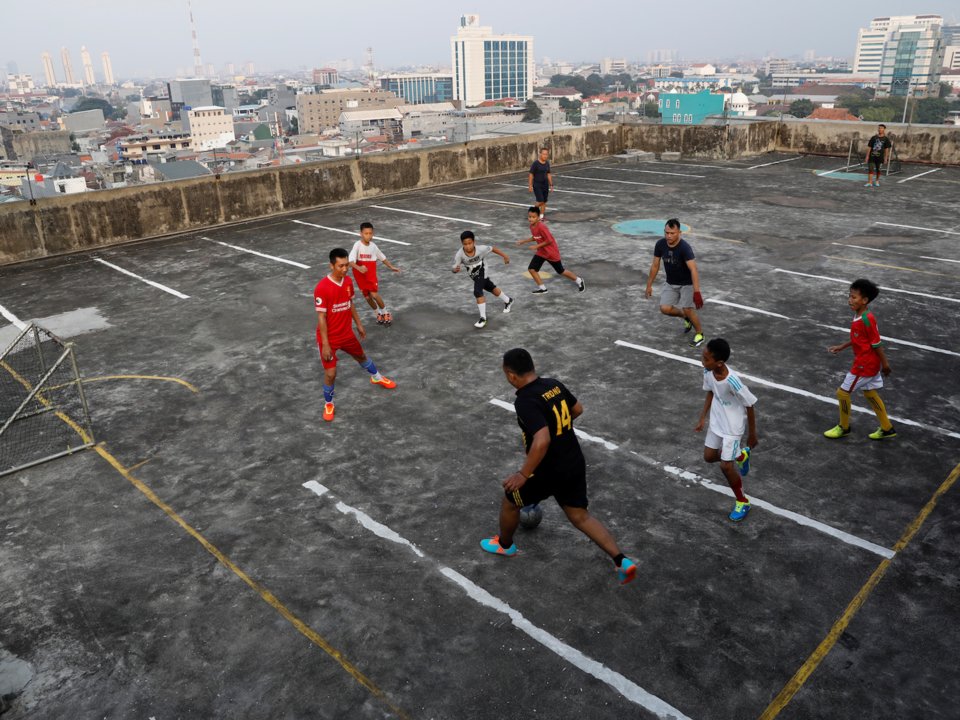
(858,382)
(729,447)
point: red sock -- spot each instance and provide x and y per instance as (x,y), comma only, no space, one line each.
(737,487)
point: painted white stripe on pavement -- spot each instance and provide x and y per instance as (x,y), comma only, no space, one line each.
(580,433)
(915,227)
(143,279)
(621,182)
(831,172)
(12,319)
(886,338)
(648,172)
(485,200)
(914,177)
(439,217)
(775,162)
(897,252)
(682,164)
(888,289)
(571,192)
(258,254)
(790,389)
(788,514)
(615,680)
(378,238)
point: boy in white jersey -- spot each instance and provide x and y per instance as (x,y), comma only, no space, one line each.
(730,405)
(471,256)
(363,260)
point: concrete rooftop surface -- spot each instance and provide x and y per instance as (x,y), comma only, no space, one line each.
(224,553)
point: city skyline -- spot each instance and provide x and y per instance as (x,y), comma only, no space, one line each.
(225,29)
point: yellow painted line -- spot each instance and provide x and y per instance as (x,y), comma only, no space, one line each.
(265,594)
(784,697)
(891,267)
(545,275)
(189,386)
(138,465)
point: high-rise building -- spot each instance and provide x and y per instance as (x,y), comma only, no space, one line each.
(88,78)
(107,68)
(48,69)
(248,68)
(189,93)
(488,66)
(420,88)
(20,84)
(872,40)
(325,76)
(320,111)
(613,66)
(68,75)
(912,60)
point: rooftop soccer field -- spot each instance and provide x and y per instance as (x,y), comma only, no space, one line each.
(224,553)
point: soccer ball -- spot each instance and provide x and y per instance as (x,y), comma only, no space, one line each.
(531,516)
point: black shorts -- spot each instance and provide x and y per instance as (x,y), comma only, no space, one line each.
(877,161)
(567,485)
(540,192)
(537,261)
(481,283)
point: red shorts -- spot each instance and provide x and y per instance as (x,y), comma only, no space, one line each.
(367,282)
(349,345)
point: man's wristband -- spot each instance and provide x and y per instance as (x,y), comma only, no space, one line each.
(520,473)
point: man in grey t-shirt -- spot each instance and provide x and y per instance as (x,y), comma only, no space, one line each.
(680,296)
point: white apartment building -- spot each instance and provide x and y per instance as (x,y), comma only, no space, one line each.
(488,66)
(210,127)
(613,66)
(872,40)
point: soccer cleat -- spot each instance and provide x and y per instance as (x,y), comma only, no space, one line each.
(687,325)
(581,286)
(383,382)
(387,318)
(881,434)
(539,291)
(492,545)
(482,322)
(328,411)
(697,340)
(837,431)
(508,305)
(743,461)
(740,511)
(627,571)
(869,184)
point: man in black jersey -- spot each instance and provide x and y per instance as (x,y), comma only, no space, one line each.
(540,181)
(554,464)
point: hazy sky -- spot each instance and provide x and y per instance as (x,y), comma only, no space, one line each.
(154,38)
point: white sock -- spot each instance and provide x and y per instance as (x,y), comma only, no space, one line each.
(577,280)
(381,311)
(483,310)
(505,298)
(542,286)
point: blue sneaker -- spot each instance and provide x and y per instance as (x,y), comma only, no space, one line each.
(492,545)
(743,461)
(627,571)
(740,511)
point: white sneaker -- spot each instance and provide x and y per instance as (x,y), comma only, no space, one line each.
(508,305)
(482,322)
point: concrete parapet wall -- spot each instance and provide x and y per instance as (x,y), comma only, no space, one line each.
(89,220)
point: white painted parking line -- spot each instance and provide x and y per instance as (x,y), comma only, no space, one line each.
(607,180)
(887,289)
(648,172)
(916,227)
(258,254)
(12,319)
(439,217)
(485,200)
(789,514)
(790,389)
(143,279)
(378,238)
(577,431)
(914,177)
(841,535)
(775,162)
(897,252)
(682,164)
(831,172)
(886,338)
(601,672)
(903,268)
(571,192)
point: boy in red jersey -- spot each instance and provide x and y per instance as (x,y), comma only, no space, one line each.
(869,363)
(363,260)
(333,298)
(546,249)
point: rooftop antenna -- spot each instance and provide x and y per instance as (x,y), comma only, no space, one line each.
(197,64)
(370,78)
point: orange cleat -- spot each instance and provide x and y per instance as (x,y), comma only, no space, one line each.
(384,382)
(328,411)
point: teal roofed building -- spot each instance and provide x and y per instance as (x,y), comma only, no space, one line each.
(689,108)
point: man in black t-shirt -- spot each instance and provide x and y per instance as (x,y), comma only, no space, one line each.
(680,296)
(554,463)
(540,181)
(878,152)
